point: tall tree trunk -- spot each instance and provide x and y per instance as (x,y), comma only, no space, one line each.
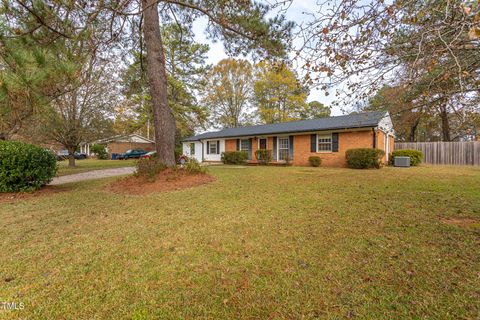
(163,120)
(445,123)
(413,130)
(71,156)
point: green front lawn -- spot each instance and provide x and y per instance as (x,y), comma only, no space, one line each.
(91,164)
(258,243)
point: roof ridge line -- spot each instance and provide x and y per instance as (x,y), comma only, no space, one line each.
(357,120)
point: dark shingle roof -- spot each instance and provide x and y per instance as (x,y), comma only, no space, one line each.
(360,120)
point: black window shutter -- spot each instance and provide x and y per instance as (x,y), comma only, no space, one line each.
(238,144)
(250,149)
(290,147)
(313,142)
(208,147)
(334,142)
(218,146)
(274,148)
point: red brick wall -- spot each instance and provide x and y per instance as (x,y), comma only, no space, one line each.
(270,144)
(231,145)
(346,140)
(381,143)
(254,147)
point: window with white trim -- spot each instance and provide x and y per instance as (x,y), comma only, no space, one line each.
(244,145)
(192,148)
(283,148)
(213,147)
(324,143)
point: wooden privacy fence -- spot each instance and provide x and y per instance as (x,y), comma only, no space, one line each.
(457,153)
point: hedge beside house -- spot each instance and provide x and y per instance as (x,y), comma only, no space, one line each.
(100,151)
(315,161)
(364,158)
(263,156)
(416,156)
(25,167)
(234,157)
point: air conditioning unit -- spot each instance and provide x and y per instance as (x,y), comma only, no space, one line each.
(401,161)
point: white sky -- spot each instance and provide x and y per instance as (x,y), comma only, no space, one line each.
(294,13)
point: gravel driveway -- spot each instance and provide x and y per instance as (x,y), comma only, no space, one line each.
(91,175)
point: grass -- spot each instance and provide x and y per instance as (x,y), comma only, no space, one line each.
(91,164)
(259,242)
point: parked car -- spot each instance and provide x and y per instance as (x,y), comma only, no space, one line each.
(63,155)
(80,156)
(149,155)
(131,154)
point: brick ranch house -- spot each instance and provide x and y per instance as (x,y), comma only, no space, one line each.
(120,144)
(327,138)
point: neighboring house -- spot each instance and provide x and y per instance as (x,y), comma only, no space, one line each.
(121,143)
(327,138)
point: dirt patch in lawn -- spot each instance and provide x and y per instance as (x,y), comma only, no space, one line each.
(42,192)
(166,181)
(462,222)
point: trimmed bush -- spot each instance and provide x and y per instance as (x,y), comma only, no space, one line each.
(416,156)
(25,167)
(234,157)
(100,151)
(149,168)
(364,158)
(263,156)
(315,161)
(288,160)
(193,167)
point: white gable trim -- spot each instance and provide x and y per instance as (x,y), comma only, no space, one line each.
(386,125)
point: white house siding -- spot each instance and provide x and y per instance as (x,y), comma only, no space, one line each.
(213,157)
(198,150)
(386,125)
